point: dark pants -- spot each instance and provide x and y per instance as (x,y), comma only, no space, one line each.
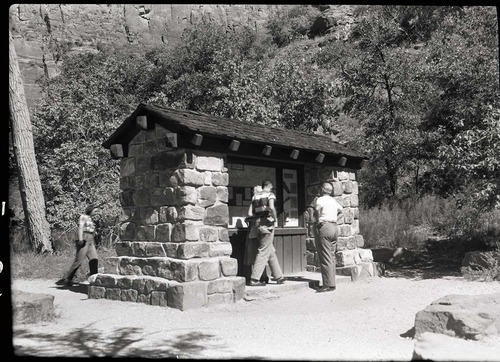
(87,251)
(326,246)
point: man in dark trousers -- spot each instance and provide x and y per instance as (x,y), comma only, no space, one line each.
(326,211)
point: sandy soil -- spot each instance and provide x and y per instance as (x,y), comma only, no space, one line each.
(367,320)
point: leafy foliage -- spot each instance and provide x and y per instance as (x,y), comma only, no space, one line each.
(81,107)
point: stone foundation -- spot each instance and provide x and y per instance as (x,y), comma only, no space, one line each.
(167,293)
(174,248)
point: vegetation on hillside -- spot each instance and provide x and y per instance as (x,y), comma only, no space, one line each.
(416,88)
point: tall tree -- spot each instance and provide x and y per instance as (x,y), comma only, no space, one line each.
(37,227)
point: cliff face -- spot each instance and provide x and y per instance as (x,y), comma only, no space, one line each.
(42,31)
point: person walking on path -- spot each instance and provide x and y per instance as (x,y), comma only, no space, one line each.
(326,211)
(265,222)
(85,247)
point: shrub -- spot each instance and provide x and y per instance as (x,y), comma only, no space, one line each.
(482,273)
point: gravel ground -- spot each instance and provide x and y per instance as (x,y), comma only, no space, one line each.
(365,320)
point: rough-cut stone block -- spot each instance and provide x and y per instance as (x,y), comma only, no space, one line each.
(356,213)
(113,294)
(191,212)
(463,316)
(182,232)
(217,215)
(124,282)
(135,150)
(150,148)
(239,288)
(220,249)
(143,164)
(345,257)
(164,178)
(168,214)
(164,232)
(162,196)
(360,241)
(229,266)
(188,177)
(126,183)
(348,187)
(95,292)
(354,200)
(123,248)
(343,175)
(193,250)
(208,233)
(32,307)
(207,195)
(220,179)
(204,163)
(348,215)
(355,227)
(138,139)
(222,285)
(159,298)
(145,232)
(168,159)
(208,178)
(187,295)
(129,295)
(184,270)
(152,180)
(222,194)
(171,249)
(127,167)
(127,198)
(209,269)
(342,243)
(127,231)
(223,234)
(139,182)
(219,298)
(186,195)
(344,230)
(365,255)
(110,265)
(149,216)
(337,188)
(141,197)
(310,258)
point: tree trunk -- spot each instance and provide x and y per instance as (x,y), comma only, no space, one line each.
(37,227)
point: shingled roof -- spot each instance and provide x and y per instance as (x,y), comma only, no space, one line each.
(219,127)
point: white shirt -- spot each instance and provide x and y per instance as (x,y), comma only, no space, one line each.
(328,208)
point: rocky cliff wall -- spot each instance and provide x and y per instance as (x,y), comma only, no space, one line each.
(42,31)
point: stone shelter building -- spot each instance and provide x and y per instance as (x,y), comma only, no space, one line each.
(186,185)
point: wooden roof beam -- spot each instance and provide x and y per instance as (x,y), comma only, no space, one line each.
(116,151)
(197,139)
(294,154)
(320,157)
(342,161)
(234,145)
(267,150)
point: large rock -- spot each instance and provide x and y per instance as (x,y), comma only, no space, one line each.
(481,259)
(32,307)
(439,347)
(463,316)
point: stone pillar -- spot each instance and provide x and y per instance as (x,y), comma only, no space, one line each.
(174,247)
(351,259)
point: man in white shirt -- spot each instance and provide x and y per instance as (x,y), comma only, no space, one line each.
(326,211)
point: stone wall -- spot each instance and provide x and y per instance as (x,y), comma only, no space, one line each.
(351,259)
(174,246)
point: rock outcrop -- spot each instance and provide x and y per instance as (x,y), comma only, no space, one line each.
(32,307)
(42,32)
(463,316)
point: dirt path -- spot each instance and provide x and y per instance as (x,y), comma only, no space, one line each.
(359,321)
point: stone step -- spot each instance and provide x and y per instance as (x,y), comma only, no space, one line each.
(294,283)
(32,307)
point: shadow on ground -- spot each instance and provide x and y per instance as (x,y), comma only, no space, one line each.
(124,342)
(440,259)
